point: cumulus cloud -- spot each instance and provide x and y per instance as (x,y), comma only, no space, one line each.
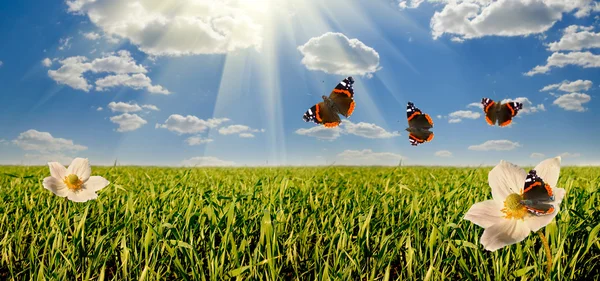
(99,108)
(175,28)
(197,140)
(45,142)
(190,124)
(335,53)
(128,73)
(124,107)
(537,155)
(559,60)
(242,131)
(479,18)
(476,104)
(443,153)
(362,129)
(368,157)
(47,62)
(128,122)
(576,38)
(206,161)
(409,4)
(498,145)
(573,101)
(567,86)
(150,107)
(457,116)
(528,106)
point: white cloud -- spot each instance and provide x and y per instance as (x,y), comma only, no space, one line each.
(65,43)
(136,81)
(44,158)
(335,53)
(368,157)
(367,130)
(3,141)
(150,107)
(1,63)
(45,142)
(242,130)
(410,4)
(205,161)
(124,107)
(457,116)
(128,122)
(537,155)
(183,27)
(440,116)
(71,73)
(476,104)
(197,140)
(576,38)
(91,36)
(567,86)
(99,108)
(189,124)
(583,59)
(443,153)
(528,107)
(499,145)
(47,62)
(479,18)
(321,132)
(362,129)
(573,101)
(569,155)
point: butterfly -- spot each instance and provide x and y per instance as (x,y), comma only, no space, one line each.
(340,101)
(502,113)
(537,194)
(418,125)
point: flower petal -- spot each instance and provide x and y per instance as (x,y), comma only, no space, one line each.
(82,195)
(95,183)
(81,168)
(507,232)
(505,179)
(58,187)
(536,222)
(486,213)
(57,170)
(549,170)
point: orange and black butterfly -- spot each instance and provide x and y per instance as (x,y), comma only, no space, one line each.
(501,113)
(418,125)
(340,101)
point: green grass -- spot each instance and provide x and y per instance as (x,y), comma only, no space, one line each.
(335,223)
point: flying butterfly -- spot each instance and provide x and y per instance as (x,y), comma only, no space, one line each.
(340,101)
(498,112)
(418,125)
(537,194)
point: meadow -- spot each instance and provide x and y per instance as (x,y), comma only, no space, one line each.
(327,223)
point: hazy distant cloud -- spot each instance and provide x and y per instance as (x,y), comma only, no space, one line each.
(410,4)
(537,155)
(92,36)
(190,124)
(368,157)
(150,107)
(576,38)
(177,28)
(362,129)
(569,155)
(45,142)
(99,108)
(65,43)
(499,145)
(335,53)
(559,60)
(457,116)
(197,140)
(124,107)
(443,153)
(47,62)
(128,122)
(204,161)
(475,104)
(242,131)
(573,101)
(136,81)
(321,132)
(567,86)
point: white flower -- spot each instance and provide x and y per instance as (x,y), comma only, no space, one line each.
(75,182)
(506,220)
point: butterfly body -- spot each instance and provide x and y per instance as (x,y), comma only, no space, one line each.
(500,113)
(418,125)
(537,195)
(339,102)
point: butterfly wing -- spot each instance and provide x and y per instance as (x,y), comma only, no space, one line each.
(329,118)
(489,108)
(538,208)
(343,97)
(507,111)
(536,190)
(420,137)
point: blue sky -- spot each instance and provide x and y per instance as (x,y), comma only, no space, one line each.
(227,82)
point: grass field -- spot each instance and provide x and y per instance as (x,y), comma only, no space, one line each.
(336,223)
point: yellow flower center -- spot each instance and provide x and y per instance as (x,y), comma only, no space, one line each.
(513,209)
(73,182)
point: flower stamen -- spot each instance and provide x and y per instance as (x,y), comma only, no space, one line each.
(73,182)
(513,209)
